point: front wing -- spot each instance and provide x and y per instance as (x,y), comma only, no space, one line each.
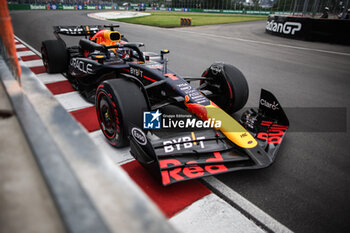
(193,154)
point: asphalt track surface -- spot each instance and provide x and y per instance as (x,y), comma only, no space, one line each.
(307,188)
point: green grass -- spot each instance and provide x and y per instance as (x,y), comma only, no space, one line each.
(172,19)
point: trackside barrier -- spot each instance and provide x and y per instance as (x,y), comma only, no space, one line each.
(8,49)
(326,30)
(186,21)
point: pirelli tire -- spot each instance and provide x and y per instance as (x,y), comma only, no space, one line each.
(120,104)
(228,85)
(55,56)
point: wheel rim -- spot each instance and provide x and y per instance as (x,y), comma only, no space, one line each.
(107,116)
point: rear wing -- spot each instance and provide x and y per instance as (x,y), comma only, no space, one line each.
(80,30)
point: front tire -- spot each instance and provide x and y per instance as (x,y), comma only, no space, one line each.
(228,85)
(119,105)
(55,56)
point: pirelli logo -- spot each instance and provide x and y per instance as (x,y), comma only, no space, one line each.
(186,21)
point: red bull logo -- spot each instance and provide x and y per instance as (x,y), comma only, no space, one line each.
(197,109)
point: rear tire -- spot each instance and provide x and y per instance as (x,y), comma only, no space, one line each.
(229,86)
(120,104)
(55,56)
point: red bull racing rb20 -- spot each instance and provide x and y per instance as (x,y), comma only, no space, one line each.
(175,130)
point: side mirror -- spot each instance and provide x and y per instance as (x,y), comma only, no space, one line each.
(162,52)
(165,51)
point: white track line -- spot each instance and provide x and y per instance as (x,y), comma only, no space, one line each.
(212,214)
(246,206)
(28,46)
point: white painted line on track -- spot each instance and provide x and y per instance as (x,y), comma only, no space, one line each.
(50,78)
(33,63)
(72,101)
(246,206)
(264,43)
(28,46)
(25,53)
(214,215)
(119,156)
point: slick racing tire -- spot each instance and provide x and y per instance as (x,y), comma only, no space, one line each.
(228,85)
(120,104)
(55,56)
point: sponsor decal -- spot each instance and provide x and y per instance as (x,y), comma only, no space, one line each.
(76,31)
(151,120)
(185,142)
(258,12)
(136,72)
(65,7)
(274,133)
(188,172)
(273,106)
(82,66)
(285,28)
(139,136)
(91,7)
(38,7)
(212,10)
(233,11)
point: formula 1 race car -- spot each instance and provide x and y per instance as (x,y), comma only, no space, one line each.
(175,130)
